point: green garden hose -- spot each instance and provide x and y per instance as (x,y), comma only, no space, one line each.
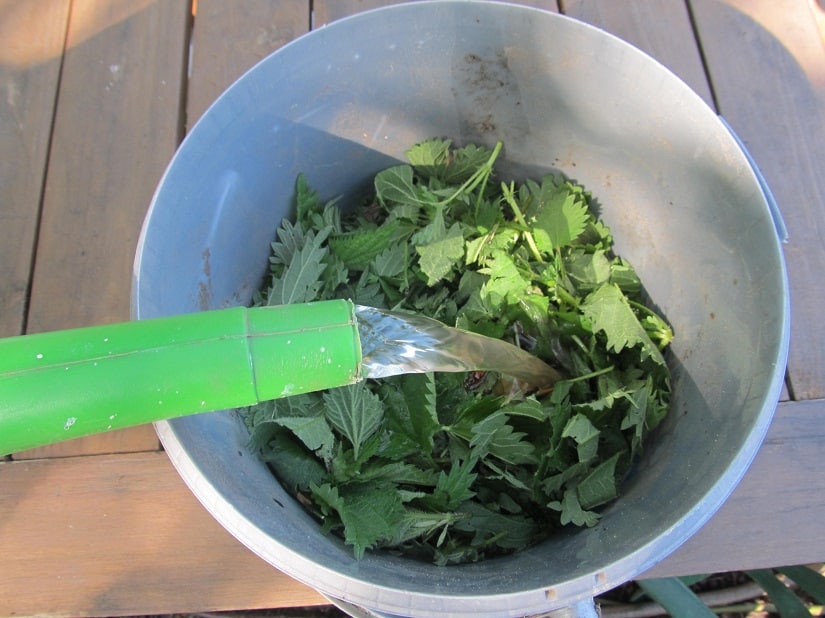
(72,383)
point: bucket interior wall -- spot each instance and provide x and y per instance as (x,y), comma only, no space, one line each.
(682,201)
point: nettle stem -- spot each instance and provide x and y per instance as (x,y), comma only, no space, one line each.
(479,176)
(509,197)
(592,374)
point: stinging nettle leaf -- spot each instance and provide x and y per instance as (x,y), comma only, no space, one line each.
(410,404)
(453,487)
(637,415)
(560,217)
(585,434)
(624,275)
(599,487)
(466,162)
(587,270)
(580,429)
(358,248)
(397,472)
(494,435)
(391,262)
(297,469)
(301,280)
(505,285)
(438,258)
(505,474)
(529,407)
(554,483)
(609,312)
(396,186)
(335,276)
(346,466)
(507,531)
(328,496)
(307,202)
(371,514)
(420,524)
(290,240)
(430,157)
(366,291)
(572,511)
(419,394)
(354,411)
(313,431)
(435,230)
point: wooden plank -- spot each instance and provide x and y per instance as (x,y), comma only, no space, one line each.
(230,37)
(327,11)
(29,72)
(117,126)
(128,537)
(774,517)
(767,64)
(115,131)
(670,41)
(132,440)
(547,5)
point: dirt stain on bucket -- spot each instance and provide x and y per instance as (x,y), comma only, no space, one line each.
(205,284)
(487,94)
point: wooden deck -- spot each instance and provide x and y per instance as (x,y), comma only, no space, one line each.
(94,97)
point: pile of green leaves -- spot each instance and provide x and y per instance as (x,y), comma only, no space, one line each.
(450,467)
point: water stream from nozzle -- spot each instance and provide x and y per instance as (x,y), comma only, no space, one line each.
(393,343)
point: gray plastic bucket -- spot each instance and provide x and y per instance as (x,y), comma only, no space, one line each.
(684,204)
